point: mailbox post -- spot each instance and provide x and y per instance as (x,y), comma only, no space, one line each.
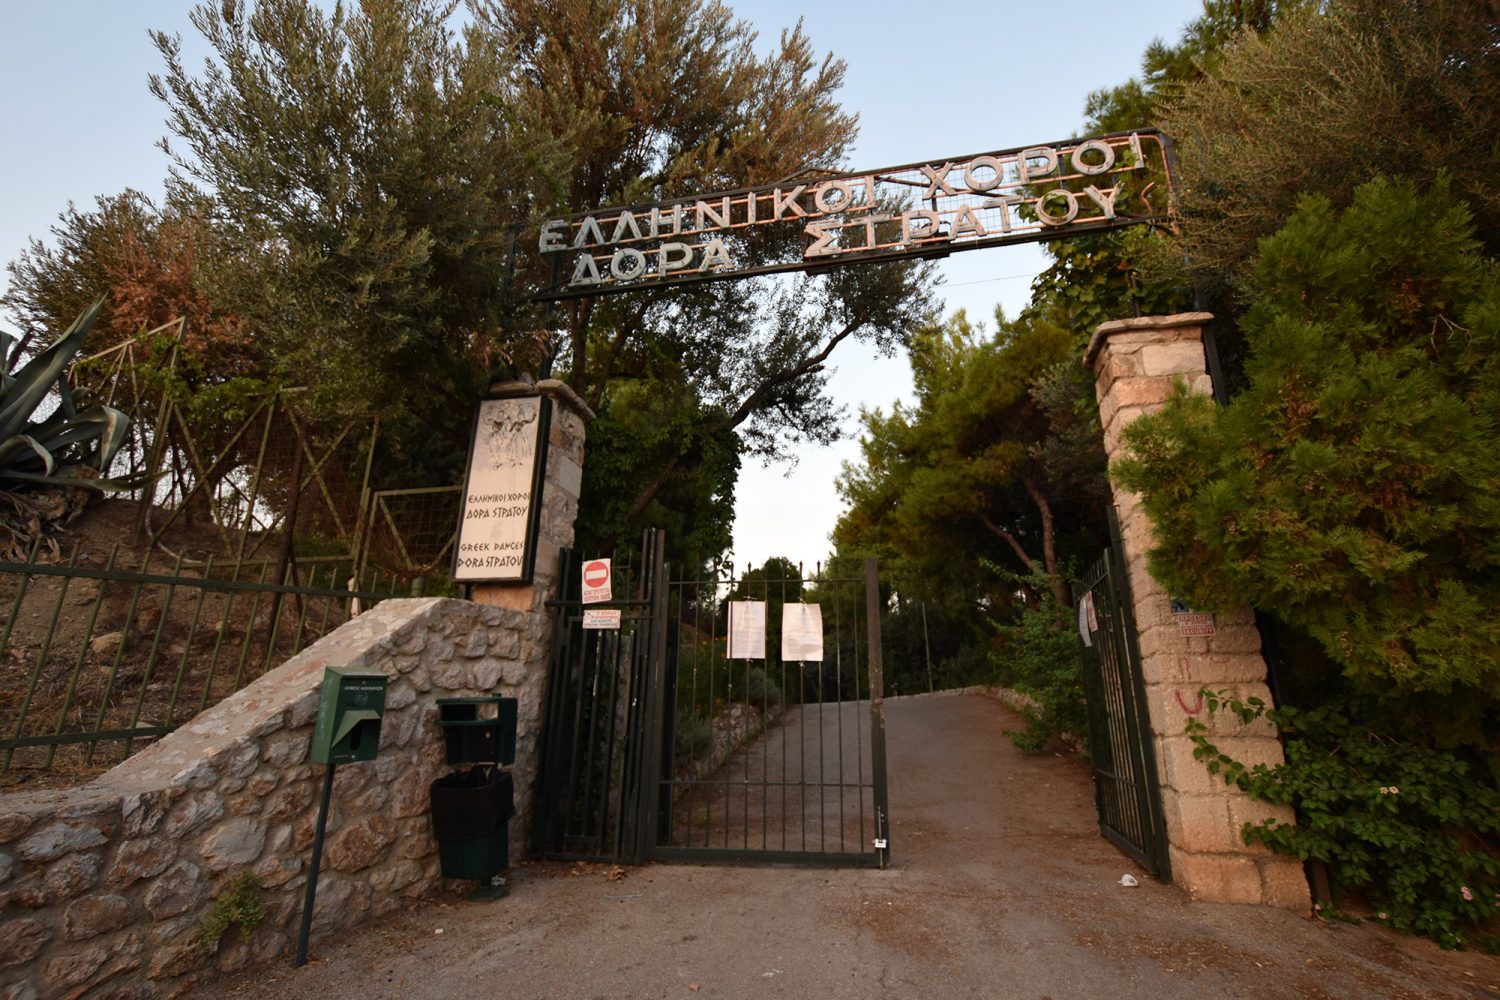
(350,708)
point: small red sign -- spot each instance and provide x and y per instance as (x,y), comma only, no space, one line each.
(596,585)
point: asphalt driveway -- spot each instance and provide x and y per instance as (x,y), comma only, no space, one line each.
(1001,887)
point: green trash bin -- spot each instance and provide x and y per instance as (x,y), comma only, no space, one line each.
(479,730)
(471,811)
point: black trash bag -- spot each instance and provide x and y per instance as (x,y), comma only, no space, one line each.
(472,803)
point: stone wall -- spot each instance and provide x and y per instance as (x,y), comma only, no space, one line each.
(1136,364)
(103,887)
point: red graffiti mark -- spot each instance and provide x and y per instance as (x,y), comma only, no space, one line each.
(1197,705)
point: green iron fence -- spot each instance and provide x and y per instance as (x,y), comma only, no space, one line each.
(98,656)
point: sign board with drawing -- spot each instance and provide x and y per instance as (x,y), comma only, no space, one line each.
(502,495)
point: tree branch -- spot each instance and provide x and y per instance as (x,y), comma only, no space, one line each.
(1049,543)
(752,402)
(1010,540)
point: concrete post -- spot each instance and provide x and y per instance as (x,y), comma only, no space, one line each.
(1136,362)
(560,491)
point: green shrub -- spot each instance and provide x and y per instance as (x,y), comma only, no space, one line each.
(236,906)
(1411,828)
(761,692)
(693,737)
(1040,659)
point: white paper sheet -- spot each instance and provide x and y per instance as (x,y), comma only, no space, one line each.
(801,633)
(747,630)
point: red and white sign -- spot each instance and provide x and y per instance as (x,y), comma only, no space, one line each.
(596,576)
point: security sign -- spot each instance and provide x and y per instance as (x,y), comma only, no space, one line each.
(596,575)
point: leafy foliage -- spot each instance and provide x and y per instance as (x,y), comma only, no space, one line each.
(1038,656)
(1351,489)
(1335,95)
(55,448)
(362,164)
(666,100)
(237,905)
(1414,829)
(973,470)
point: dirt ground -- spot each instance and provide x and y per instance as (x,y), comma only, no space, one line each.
(132,655)
(1001,887)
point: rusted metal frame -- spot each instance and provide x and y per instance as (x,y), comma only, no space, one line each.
(273,634)
(114,668)
(317,468)
(935,248)
(90,736)
(931,246)
(15,608)
(83,647)
(301,633)
(395,531)
(260,460)
(239,670)
(41,662)
(222,631)
(286,558)
(162,437)
(150,668)
(159,442)
(614,211)
(187,647)
(363,517)
(131,576)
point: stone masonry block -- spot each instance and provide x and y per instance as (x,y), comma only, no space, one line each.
(1199,823)
(1284,884)
(1243,809)
(1217,878)
(1183,773)
(1182,357)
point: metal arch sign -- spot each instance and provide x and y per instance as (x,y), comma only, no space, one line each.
(931,209)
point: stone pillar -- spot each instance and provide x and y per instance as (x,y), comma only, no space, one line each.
(560,491)
(1136,362)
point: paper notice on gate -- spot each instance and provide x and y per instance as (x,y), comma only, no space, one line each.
(1083,620)
(601,618)
(747,630)
(801,633)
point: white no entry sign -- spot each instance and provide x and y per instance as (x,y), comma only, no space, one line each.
(596,576)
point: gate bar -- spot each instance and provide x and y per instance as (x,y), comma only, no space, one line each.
(877,713)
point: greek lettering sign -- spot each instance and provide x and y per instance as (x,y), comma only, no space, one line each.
(917,210)
(507,454)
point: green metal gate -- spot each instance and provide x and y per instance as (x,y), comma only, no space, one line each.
(661,746)
(1127,791)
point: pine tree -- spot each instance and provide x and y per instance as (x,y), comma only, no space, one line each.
(1353,489)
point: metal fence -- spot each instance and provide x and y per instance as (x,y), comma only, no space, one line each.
(661,745)
(97,656)
(771,757)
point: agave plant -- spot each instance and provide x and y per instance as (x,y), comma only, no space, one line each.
(68,447)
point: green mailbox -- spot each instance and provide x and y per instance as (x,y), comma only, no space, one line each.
(349,714)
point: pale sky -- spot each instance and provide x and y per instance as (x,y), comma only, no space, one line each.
(929,81)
